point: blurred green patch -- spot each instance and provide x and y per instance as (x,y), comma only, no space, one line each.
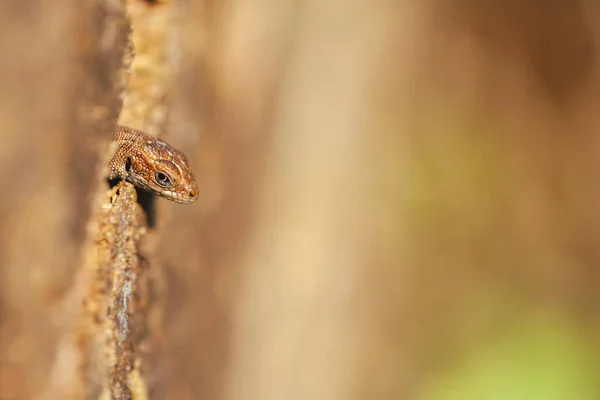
(538,359)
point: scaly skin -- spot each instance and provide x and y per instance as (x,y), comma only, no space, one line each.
(153,165)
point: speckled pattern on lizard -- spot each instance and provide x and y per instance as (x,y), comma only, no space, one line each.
(153,165)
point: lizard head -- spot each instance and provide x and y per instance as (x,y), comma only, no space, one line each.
(163,170)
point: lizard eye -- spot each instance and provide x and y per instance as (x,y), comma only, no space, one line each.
(162,179)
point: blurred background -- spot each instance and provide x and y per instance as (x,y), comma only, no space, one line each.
(399,200)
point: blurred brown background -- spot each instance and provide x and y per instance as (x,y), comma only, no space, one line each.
(399,200)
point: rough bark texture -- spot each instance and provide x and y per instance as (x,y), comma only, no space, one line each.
(398,200)
(61,78)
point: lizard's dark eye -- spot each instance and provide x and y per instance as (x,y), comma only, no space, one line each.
(162,179)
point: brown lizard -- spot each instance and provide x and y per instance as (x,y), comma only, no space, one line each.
(153,165)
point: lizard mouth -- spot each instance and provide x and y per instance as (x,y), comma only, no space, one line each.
(178,196)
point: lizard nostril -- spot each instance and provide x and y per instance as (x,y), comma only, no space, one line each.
(192,194)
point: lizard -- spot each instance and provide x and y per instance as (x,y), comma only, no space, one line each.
(152,164)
